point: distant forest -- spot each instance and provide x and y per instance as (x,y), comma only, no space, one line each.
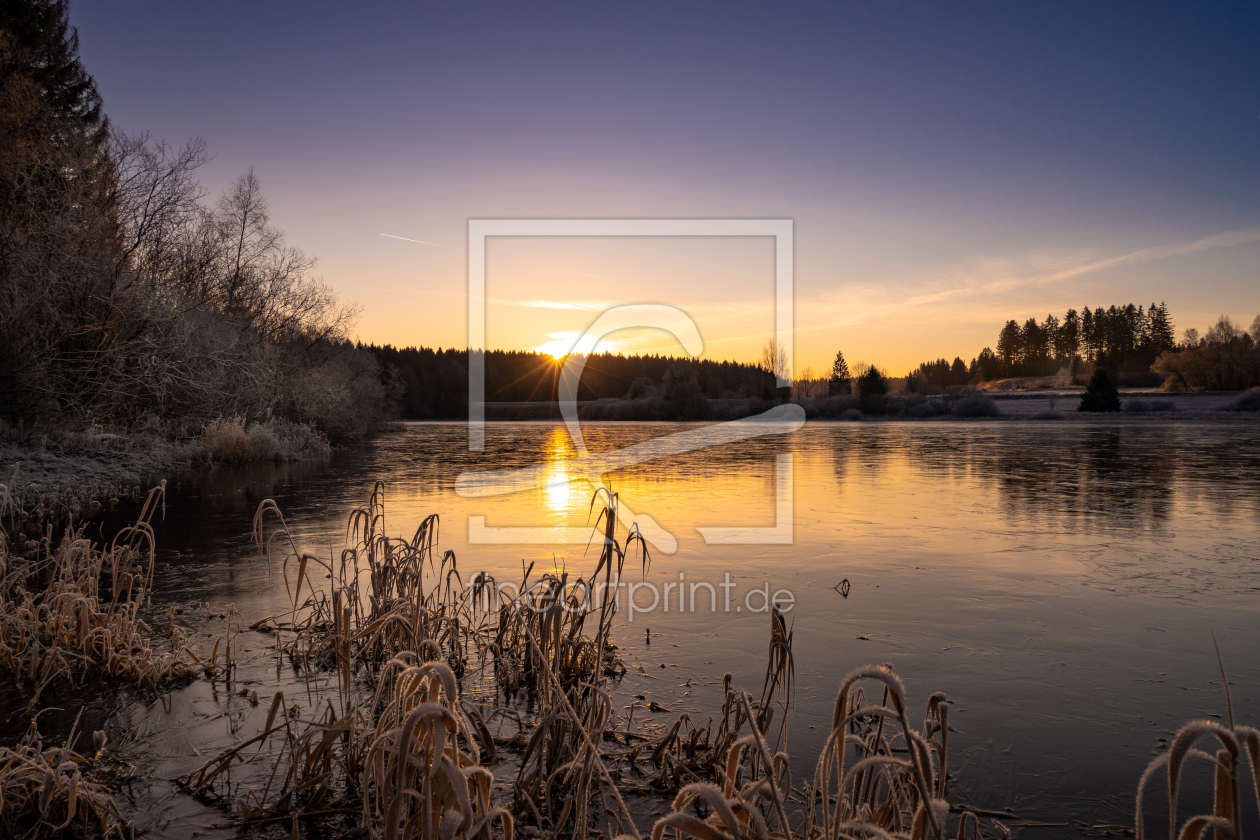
(1135,344)
(434,383)
(1124,339)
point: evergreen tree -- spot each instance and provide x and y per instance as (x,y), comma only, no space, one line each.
(1100,394)
(1009,347)
(1087,334)
(1067,341)
(987,366)
(838,382)
(872,383)
(45,49)
(1159,329)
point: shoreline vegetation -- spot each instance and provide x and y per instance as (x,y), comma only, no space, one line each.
(412,672)
(46,477)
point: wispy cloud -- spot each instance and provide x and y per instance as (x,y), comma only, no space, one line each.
(1228,239)
(987,277)
(581,305)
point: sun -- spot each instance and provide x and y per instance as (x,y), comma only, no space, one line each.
(557,349)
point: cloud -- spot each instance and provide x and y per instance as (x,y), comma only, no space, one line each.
(582,305)
(988,277)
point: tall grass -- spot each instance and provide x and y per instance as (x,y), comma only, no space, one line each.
(44,792)
(1234,741)
(390,637)
(235,441)
(73,611)
(394,624)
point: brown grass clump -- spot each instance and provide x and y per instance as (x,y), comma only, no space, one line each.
(74,610)
(233,441)
(1234,741)
(43,793)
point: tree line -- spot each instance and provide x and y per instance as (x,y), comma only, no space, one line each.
(1124,338)
(433,383)
(129,300)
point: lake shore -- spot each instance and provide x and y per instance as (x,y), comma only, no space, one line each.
(1011,405)
(79,475)
(41,479)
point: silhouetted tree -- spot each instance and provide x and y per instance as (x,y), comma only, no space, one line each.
(1067,341)
(840,380)
(1009,348)
(1100,394)
(1159,330)
(774,359)
(872,383)
(1223,331)
(682,387)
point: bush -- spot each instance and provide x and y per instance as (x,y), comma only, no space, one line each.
(923,409)
(1136,406)
(1223,363)
(1248,400)
(835,406)
(976,405)
(851,414)
(233,441)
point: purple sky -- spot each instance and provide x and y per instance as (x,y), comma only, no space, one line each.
(948,166)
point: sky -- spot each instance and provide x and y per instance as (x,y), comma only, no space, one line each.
(946,166)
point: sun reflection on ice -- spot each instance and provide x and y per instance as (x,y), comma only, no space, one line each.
(560,493)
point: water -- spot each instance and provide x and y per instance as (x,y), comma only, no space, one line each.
(1059,582)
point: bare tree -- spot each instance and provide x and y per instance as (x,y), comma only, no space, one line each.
(156,200)
(774,360)
(1223,331)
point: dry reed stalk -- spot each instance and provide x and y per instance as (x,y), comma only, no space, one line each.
(1235,740)
(43,793)
(74,610)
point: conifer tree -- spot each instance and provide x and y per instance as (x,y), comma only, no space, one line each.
(1100,394)
(838,382)
(1159,329)
(44,47)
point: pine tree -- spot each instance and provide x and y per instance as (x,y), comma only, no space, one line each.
(872,383)
(838,382)
(45,49)
(1100,394)
(1009,347)
(1159,329)
(1067,342)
